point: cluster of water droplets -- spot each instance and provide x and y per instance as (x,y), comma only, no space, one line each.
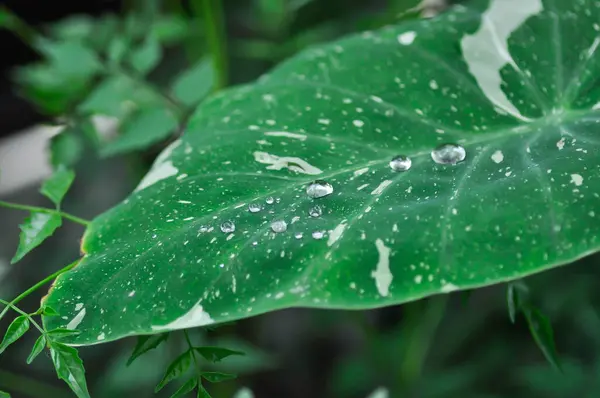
(447,154)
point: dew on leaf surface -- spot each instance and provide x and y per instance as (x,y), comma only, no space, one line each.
(315,211)
(319,189)
(318,234)
(298,235)
(270,200)
(449,154)
(400,163)
(254,207)
(228,227)
(279,226)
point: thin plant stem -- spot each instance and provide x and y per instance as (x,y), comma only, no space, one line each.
(423,321)
(191,346)
(68,216)
(26,315)
(37,286)
(214,28)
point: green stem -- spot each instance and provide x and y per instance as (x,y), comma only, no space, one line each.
(29,387)
(423,320)
(19,27)
(212,11)
(191,346)
(37,286)
(68,216)
(26,315)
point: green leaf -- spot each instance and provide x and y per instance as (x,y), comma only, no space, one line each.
(35,229)
(56,187)
(145,344)
(70,58)
(202,393)
(514,298)
(523,200)
(176,369)
(48,311)
(186,388)
(145,128)
(117,49)
(216,354)
(217,377)
(541,329)
(60,333)
(195,83)
(38,347)
(146,57)
(119,96)
(69,368)
(15,331)
(66,148)
(4,394)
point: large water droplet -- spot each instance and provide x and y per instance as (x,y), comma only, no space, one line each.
(228,227)
(254,207)
(318,234)
(203,228)
(318,189)
(270,200)
(315,211)
(279,226)
(448,154)
(298,235)
(400,163)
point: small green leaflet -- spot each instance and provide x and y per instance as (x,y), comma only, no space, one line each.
(38,347)
(15,330)
(69,368)
(216,354)
(217,377)
(202,393)
(66,148)
(176,369)
(195,83)
(4,394)
(59,333)
(146,57)
(186,388)
(146,343)
(56,187)
(34,230)
(541,329)
(142,129)
(46,310)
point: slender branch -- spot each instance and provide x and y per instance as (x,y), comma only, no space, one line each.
(214,24)
(68,216)
(26,315)
(422,322)
(191,346)
(37,286)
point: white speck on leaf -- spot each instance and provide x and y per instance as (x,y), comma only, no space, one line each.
(196,316)
(379,190)
(383,276)
(291,163)
(449,287)
(498,156)
(300,137)
(560,144)
(577,179)
(76,320)
(336,234)
(407,38)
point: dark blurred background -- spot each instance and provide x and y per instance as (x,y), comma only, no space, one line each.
(458,345)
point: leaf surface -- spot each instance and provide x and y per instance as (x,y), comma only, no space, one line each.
(35,229)
(525,199)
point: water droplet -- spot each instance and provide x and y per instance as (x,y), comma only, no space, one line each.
(319,189)
(315,211)
(203,228)
(270,200)
(228,227)
(448,154)
(279,226)
(400,163)
(318,234)
(298,235)
(254,207)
